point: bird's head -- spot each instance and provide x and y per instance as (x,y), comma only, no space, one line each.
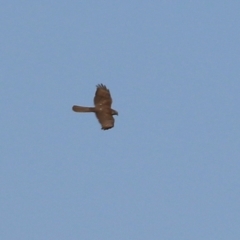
(114,112)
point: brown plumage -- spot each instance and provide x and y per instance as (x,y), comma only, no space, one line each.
(102,109)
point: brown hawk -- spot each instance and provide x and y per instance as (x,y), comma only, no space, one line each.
(102,109)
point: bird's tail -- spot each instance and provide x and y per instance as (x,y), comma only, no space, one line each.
(83,109)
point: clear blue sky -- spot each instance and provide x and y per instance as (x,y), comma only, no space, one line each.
(169,169)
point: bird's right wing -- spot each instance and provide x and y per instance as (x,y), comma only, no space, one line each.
(105,118)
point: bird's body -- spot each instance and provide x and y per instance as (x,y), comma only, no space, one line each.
(102,108)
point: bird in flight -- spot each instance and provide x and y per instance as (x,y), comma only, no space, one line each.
(102,107)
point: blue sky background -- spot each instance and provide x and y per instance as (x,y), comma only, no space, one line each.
(169,169)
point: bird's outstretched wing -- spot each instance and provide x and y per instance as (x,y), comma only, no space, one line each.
(105,118)
(103,102)
(102,97)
